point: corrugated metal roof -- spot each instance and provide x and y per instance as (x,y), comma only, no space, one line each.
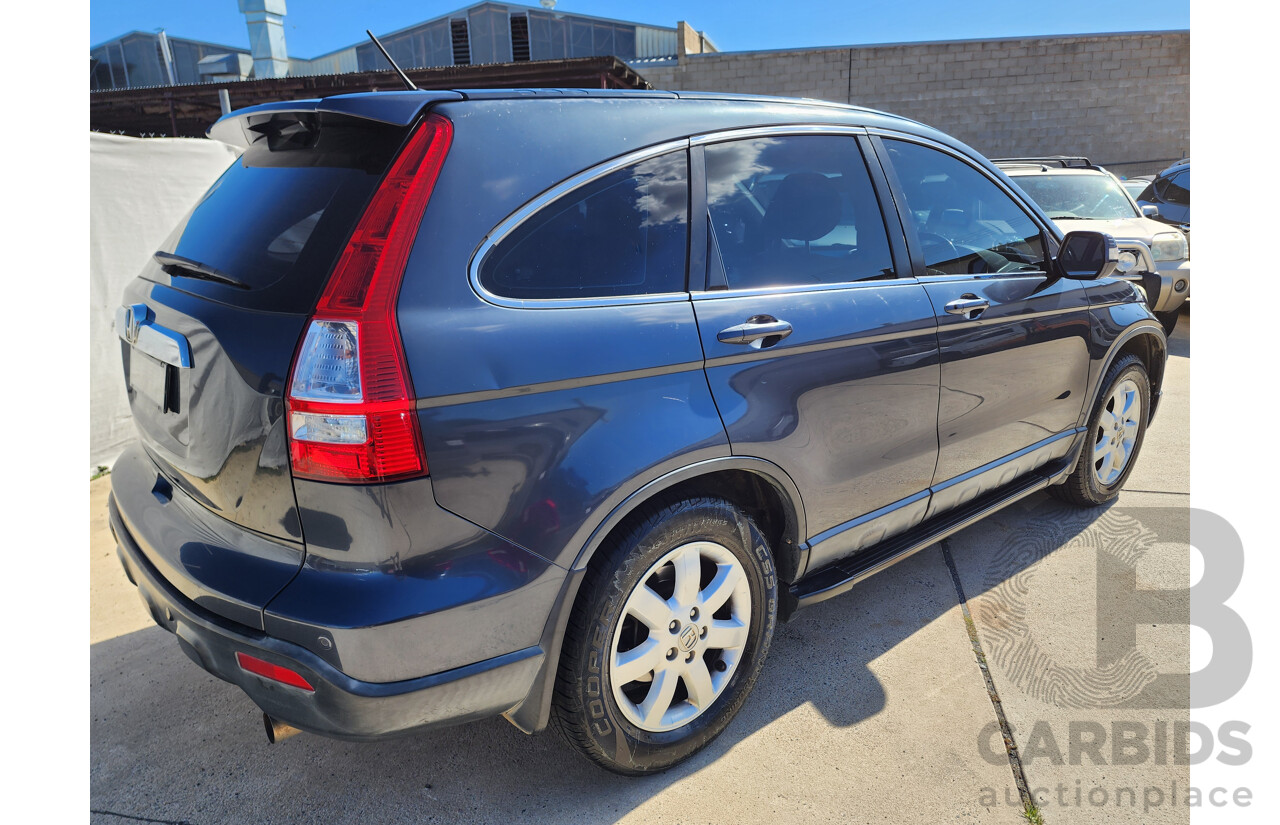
(651,42)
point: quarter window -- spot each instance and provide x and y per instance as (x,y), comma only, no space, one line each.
(965,223)
(622,234)
(1178,188)
(795,210)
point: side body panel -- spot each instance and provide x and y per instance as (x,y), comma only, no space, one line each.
(1012,377)
(1015,368)
(846,405)
(537,421)
(593,402)
(535,466)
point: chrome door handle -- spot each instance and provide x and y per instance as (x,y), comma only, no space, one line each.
(755,331)
(968,307)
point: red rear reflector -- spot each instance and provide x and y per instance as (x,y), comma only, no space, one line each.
(283,675)
(338,431)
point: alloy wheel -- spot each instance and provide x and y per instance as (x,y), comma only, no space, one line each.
(681,635)
(1117,432)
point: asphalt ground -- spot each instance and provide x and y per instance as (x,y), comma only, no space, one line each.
(882,705)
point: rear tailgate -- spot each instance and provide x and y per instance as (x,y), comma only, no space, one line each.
(209,329)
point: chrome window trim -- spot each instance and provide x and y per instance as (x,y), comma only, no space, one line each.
(789,289)
(947,277)
(772,131)
(513,222)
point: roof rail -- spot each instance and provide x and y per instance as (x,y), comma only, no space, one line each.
(1063,161)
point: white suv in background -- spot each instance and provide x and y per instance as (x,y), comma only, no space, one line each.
(1077,194)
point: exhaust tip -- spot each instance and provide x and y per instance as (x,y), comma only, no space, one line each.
(276,730)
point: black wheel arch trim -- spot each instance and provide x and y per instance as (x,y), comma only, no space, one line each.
(796,529)
(534,713)
(1146,326)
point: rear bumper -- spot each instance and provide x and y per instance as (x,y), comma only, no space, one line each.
(340,706)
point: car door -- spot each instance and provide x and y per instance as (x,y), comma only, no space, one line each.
(820,346)
(1013,342)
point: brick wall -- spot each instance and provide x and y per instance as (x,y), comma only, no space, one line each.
(1119,99)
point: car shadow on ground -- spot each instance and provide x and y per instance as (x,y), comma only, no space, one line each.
(170,742)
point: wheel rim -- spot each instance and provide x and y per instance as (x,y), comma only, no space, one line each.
(682,633)
(1117,432)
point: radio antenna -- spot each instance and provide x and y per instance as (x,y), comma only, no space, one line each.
(408,84)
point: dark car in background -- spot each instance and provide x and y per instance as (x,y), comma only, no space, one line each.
(1170,193)
(549,404)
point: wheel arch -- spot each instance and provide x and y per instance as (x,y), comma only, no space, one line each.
(1146,340)
(759,487)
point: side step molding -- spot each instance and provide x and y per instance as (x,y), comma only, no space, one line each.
(838,578)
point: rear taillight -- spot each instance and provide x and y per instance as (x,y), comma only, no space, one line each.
(351,404)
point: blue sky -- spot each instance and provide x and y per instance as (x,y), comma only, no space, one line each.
(313,27)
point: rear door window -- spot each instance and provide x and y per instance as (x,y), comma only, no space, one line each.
(795,210)
(1178,189)
(277,219)
(964,222)
(622,234)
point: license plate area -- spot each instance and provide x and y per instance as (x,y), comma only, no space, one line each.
(153,380)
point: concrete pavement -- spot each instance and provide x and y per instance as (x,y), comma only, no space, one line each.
(871,708)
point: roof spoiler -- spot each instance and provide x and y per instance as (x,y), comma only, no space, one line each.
(396,108)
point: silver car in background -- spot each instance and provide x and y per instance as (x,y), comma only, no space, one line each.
(1136,186)
(1078,194)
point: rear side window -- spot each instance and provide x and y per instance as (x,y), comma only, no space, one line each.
(1177,189)
(965,223)
(279,216)
(791,211)
(623,234)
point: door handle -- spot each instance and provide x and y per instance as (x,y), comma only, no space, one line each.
(970,306)
(756,332)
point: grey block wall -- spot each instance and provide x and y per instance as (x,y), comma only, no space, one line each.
(1122,100)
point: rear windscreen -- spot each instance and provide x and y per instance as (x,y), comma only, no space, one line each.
(277,219)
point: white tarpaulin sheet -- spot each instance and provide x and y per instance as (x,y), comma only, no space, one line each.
(139,189)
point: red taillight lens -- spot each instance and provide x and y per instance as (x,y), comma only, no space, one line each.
(351,403)
(276,673)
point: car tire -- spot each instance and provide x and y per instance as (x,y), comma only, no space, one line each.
(1114,436)
(639,603)
(1168,320)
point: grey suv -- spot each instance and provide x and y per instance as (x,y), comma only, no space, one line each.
(549,404)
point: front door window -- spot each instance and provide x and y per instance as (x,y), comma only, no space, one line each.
(965,224)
